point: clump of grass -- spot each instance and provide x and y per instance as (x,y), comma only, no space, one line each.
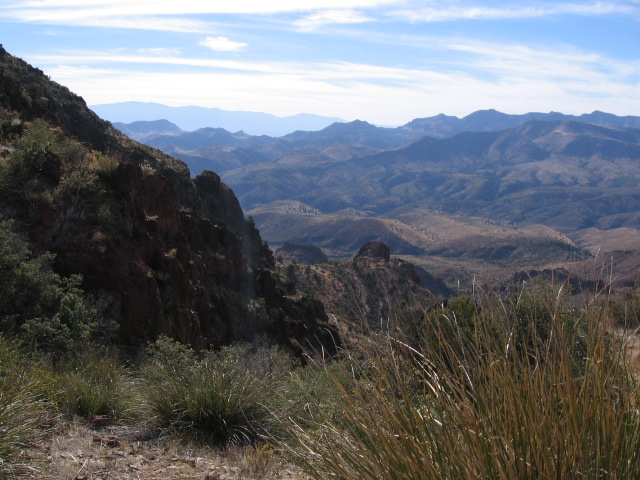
(105,165)
(218,395)
(96,383)
(494,400)
(21,412)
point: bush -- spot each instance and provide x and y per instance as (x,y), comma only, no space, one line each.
(480,408)
(32,152)
(219,395)
(48,312)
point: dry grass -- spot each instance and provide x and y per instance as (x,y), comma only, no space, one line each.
(78,450)
(494,400)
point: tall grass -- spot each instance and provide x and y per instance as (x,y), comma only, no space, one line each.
(522,389)
(222,397)
(21,412)
(96,384)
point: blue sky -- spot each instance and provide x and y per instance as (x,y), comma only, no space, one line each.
(384,61)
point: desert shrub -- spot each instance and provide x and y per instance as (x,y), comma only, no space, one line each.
(219,395)
(79,183)
(478,410)
(147,169)
(48,312)
(32,151)
(10,125)
(527,318)
(21,411)
(95,383)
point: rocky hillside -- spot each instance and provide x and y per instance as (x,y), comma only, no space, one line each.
(368,292)
(159,253)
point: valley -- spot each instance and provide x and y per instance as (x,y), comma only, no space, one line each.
(483,196)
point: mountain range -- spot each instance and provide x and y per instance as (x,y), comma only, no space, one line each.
(354,182)
(194,117)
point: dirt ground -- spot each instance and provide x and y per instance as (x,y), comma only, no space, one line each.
(76,450)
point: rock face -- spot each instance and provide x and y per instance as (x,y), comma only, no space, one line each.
(307,254)
(370,292)
(374,250)
(165,255)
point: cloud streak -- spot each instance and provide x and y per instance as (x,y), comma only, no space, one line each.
(455,12)
(514,79)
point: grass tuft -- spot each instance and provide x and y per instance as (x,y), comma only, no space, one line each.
(519,388)
(218,395)
(21,412)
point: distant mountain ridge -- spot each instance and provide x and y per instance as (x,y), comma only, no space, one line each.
(192,118)
(564,174)
(338,141)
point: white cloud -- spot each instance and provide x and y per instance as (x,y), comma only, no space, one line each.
(342,16)
(514,79)
(38,9)
(222,44)
(449,12)
(160,52)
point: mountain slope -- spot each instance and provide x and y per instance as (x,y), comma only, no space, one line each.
(567,175)
(163,254)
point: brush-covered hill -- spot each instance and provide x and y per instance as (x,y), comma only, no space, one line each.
(122,226)
(456,248)
(567,175)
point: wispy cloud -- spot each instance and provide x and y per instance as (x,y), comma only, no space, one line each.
(222,44)
(342,16)
(177,16)
(42,9)
(515,79)
(450,12)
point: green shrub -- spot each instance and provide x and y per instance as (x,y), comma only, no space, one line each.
(32,152)
(79,184)
(626,311)
(218,395)
(480,408)
(48,312)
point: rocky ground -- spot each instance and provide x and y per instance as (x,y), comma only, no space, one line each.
(77,450)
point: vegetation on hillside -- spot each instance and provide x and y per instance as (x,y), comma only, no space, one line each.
(518,386)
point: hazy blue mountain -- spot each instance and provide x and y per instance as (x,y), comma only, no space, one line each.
(192,118)
(491,120)
(143,130)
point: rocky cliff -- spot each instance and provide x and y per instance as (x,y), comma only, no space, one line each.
(163,254)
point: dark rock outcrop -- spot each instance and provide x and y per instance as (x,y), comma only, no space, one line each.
(307,254)
(374,250)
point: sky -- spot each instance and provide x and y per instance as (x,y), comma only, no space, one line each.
(382,61)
